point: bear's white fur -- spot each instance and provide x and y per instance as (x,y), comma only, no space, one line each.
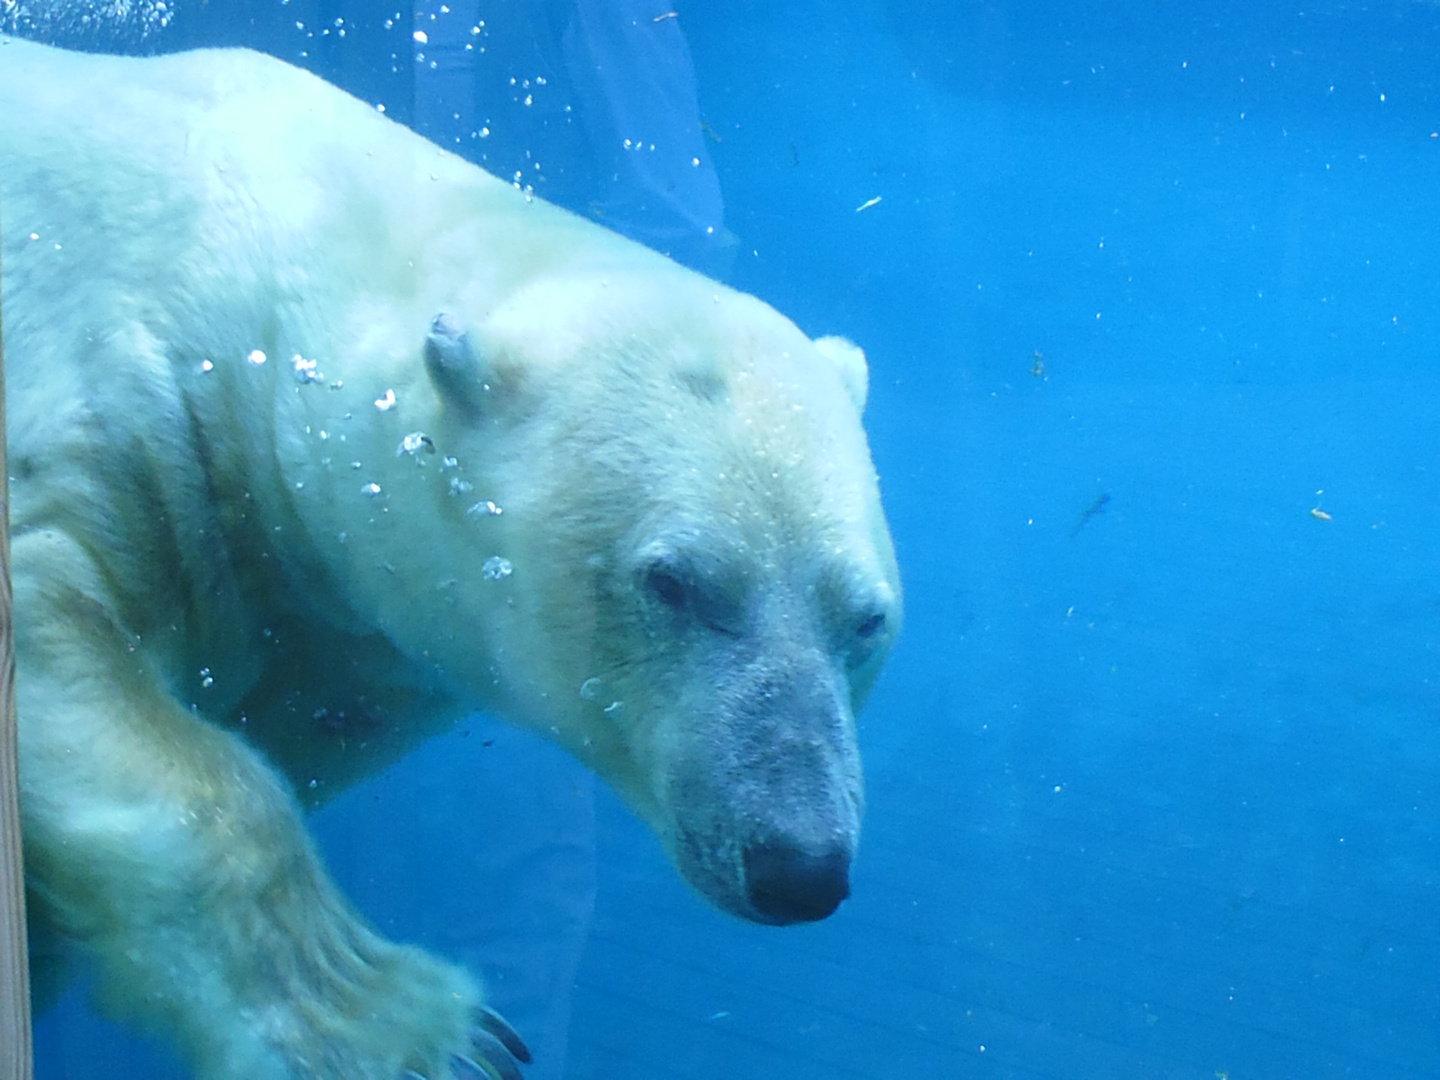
(321,436)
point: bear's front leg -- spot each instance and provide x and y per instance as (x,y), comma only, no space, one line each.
(170,854)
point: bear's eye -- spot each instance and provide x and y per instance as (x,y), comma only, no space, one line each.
(665,585)
(678,584)
(870,625)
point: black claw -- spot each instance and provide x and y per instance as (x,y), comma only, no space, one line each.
(498,1068)
(492,1022)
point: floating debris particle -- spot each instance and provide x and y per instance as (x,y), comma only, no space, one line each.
(460,487)
(496,568)
(372,489)
(867,204)
(1038,367)
(591,689)
(386,401)
(206,679)
(1095,508)
(256,357)
(483,508)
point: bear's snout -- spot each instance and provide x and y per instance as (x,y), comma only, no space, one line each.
(764,803)
(786,883)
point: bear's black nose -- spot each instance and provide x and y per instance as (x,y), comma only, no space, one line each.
(788,884)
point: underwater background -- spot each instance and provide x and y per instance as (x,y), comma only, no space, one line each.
(1151,298)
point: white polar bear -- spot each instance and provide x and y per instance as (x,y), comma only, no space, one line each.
(320,437)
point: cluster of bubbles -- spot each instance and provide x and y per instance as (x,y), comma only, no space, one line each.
(84,22)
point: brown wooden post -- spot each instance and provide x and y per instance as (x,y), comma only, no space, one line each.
(15,1053)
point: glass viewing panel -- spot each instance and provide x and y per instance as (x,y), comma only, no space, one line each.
(422,589)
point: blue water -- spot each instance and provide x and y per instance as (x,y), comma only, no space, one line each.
(1154,792)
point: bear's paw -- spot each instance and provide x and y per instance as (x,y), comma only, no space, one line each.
(415,1017)
(353,1006)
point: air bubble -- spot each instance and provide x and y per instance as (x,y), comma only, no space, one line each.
(305,370)
(414,443)
(256,357)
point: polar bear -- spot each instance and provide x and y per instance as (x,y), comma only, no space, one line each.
(320,437)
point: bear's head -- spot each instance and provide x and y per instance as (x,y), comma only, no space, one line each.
(698,586)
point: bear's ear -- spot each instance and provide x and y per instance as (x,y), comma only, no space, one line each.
(849,360)
(456,367)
